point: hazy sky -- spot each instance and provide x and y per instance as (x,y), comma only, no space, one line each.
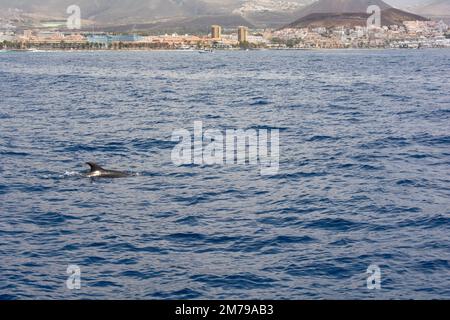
(13,3)
(407,3)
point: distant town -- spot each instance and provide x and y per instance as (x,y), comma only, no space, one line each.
(411,34)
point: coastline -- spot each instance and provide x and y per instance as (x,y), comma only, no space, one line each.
(217,50)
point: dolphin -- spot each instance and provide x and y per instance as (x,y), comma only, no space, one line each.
(99,172)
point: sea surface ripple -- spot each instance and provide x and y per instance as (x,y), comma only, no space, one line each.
(364,175)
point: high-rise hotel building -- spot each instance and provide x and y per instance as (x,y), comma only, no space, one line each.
(242,34)
(216,32)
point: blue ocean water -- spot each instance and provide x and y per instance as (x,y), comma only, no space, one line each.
(364,175)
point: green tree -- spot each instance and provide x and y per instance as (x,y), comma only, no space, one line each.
(244,45)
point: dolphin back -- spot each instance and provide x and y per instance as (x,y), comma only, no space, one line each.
(99,172)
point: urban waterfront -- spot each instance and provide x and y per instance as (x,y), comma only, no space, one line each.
(363,178)
(409,34)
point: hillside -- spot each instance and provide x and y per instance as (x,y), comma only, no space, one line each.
(341,6)
(187,15)
(200,25)
(349,13)
(117,12)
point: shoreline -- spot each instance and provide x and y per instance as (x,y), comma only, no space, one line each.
(214,51)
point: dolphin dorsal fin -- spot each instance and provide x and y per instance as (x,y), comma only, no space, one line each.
(94,167)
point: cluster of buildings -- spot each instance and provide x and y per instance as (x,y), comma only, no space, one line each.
(44,39)
(412,34)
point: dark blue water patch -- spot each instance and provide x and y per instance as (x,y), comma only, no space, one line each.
(213,116)
(32,264)
(185,237)
(342,242)
(185,174)
(293,106)
(126,262)
(260,102)
(431,245)
(3,189)
(190,221)
(298,175)
(128,247)
(225,239)
(103,284)
(4,116)
(438,221)
(31,188)
(8,297)
(264,127)
(429,140)
(369,167)
(397,97)
(194,200)
(138,275)
(152,144)
(14,154)
(419,156)
(282,240)
(252,244)
(291,213)
(362,84)
(439,113)
(70,247)
(334,224)
(387,142)
(11,232)
(97,245)
(247,245)
(407,113)
(433,265)
(329,270)
(406,182)
(94,260)
(79,147)
(51,218)
(320,138)
(96,147)
(184,294)
(164,214)
(367,157)
(432,89)
(344,165)
(391,208)
(246,281)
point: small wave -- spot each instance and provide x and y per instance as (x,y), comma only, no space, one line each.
(71,174)
(180,294)
(52,218)
(336,224)
(439,221)
(14,154)
(434,265)
(104,284)
(406,182)
(322,138)
(184,237)
(235,281)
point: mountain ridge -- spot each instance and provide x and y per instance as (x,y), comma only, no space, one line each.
(348,13)
(185,14)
